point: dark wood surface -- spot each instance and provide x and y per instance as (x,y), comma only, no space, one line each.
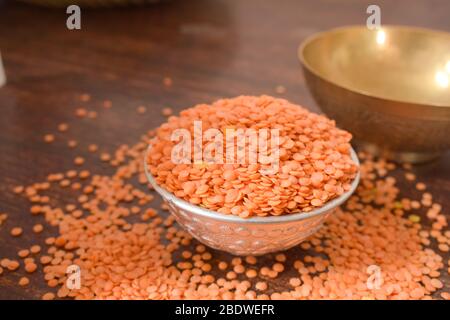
(210,49)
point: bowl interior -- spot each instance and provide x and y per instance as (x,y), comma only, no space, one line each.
(396,63)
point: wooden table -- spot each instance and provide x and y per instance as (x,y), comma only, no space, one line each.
(210,49)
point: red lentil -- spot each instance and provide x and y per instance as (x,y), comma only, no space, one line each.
(17,231)
(49,138)
(63,127)
(81,112)
(18,189)
(141,109)
(107,104)
(421,186)
(92,114)
(72,143)
(262,286)
(48,296)
(222,265)
(280,89)
(24,281)
(167,81)
(92,148)
(105,156)
(78,161)
(23,253)
(300,156)
(30,267)
(167,112)
(35,249)
(85,97)
(12,265)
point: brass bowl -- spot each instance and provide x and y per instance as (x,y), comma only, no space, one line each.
(389,87)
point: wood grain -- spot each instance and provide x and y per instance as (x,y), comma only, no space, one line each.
(210,49)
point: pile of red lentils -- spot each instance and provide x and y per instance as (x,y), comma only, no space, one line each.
(127,247)
(314,167)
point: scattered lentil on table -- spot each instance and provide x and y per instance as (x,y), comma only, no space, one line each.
(124,258)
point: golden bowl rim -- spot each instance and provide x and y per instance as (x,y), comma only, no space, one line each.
(317,35)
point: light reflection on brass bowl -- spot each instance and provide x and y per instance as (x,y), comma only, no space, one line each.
(389,87)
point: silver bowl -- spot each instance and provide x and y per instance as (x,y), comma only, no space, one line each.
(252,236)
